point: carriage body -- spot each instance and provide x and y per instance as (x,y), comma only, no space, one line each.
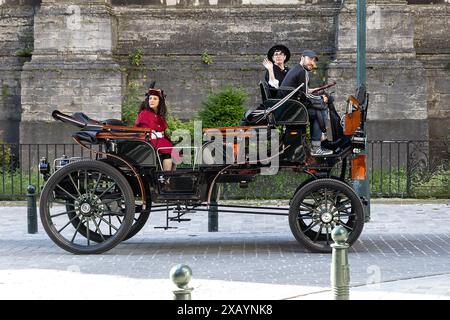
(90,206)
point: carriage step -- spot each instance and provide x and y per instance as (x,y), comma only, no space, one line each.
(165,228)
(179,219)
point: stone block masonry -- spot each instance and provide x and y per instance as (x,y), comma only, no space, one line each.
(73,53)
(80,57)
(16,45)
(236,38)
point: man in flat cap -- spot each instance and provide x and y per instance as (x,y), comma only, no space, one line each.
(317,105)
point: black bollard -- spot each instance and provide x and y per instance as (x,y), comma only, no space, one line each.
(213,212)
(31,209)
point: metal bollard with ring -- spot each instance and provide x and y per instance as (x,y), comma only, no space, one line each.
(340,272)
(181,274)
(31,209)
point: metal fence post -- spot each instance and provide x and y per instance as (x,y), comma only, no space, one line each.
(408,170)
(340,271)
(31,209)
(181,274)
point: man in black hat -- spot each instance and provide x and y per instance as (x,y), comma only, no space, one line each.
(275,62)
(317,105)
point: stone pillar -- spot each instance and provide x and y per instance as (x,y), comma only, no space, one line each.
(432,43)
(396,80)
(71,70)
(16,45)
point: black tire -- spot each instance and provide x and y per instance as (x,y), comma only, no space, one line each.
(139,220)
(99,196)
(321,205)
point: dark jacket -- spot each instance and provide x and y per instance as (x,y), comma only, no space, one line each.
(294,78)
(278,73)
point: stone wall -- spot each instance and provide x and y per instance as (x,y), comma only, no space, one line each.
(236,39)
(81,57)
(397,108)
(16,44)
(432,43)
(73,53)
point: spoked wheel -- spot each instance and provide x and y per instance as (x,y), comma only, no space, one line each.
(139,220)
(320,206)
(87,207)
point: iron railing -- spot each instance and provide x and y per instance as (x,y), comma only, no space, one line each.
(19,165)
(409,168)
(396,168)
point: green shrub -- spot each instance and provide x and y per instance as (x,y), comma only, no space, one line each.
(136,57)
(382,184)
(224,108)
(130,106)
(279,186)
(176,124)
(206,58)
(5,155)
(15,183)
(25,52)
(385,182)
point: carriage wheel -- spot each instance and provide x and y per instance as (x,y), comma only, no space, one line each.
(87,207)
(139,221)
(320,206)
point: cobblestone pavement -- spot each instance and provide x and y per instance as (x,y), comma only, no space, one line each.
(403,252)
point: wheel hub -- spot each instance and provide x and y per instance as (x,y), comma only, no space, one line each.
(322,214)
(326,217)
(89,205)
(85,208)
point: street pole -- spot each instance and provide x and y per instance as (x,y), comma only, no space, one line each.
(362,186)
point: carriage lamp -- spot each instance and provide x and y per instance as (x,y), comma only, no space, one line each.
(359,168)
(44,168)
(64,160)
(61,162)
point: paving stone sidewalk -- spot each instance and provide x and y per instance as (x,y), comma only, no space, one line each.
(403,253)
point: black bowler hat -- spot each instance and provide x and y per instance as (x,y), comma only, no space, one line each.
(310,53)
(278,47)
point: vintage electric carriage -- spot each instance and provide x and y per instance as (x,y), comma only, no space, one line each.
(89,206)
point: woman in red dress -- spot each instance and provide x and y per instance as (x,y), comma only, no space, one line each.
(151,115)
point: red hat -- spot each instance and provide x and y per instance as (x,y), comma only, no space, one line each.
(156,92)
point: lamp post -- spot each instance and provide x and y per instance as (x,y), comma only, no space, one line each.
(362,186)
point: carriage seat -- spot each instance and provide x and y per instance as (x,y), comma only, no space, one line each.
(80,116)
(292,112)
(114,122)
